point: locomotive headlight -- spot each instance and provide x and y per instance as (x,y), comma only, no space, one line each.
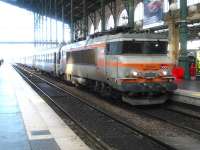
(134,73)
(166,73)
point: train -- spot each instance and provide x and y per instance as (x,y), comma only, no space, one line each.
(133,66)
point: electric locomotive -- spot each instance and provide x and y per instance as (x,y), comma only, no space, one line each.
(135,66)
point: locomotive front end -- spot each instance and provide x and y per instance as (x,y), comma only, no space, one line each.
(144,71)
(151,84)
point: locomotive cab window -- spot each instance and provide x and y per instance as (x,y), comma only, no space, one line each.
(137,47)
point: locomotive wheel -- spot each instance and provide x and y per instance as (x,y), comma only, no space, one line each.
(75,83)
(116,95)
(97,87)
(106,90)
(63,76)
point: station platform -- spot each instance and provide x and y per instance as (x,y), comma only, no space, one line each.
(190,85)
(27,122)
(188,92)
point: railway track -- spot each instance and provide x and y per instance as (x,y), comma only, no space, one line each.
(187,109)
(106,131)
(178,118)
(154,125)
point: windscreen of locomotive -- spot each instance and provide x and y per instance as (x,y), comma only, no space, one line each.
(144,47)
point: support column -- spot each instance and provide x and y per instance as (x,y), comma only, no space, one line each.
(115,12)
(173,40)
(85,20)
(34,14)
(75,30)
(42,40)
(183,59)
(39,31)
(55,8)
(131,14)
(46,36)
(72,22)
(50,9)
(103,21)
(63,22)
(42,30)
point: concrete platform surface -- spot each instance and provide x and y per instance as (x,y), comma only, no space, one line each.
(188,92)
(27,122)
(189,85)
(189,88)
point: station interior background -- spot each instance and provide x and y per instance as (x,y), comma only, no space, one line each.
(17,25)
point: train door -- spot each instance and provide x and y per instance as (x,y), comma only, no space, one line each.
(58,57)
(111,62)
(100,61)
(54,62)
(62,62)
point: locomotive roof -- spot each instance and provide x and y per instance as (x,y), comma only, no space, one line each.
(117,37)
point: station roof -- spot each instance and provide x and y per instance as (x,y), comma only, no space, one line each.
(38,6)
